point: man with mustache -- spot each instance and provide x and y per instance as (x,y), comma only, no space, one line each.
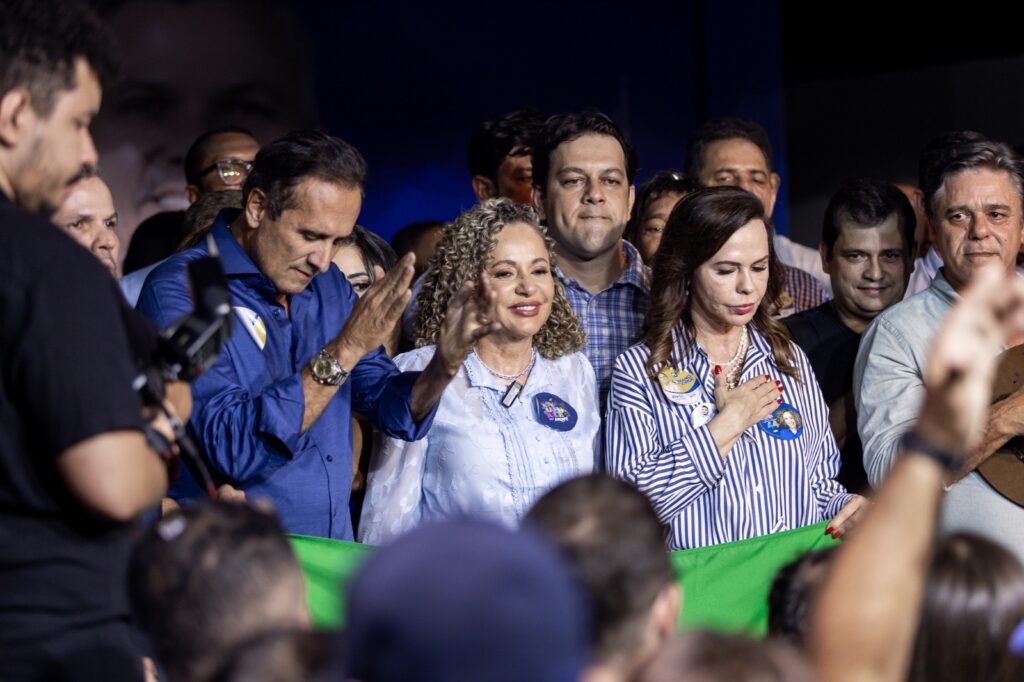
(583,173)
(972,190)
(866,241)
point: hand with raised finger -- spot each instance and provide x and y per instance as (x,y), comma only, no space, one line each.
(848,517)
(471,316)
(375,315)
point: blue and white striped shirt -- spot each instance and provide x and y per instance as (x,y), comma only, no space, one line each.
(764,485)
(613,319)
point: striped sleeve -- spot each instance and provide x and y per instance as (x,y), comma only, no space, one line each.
(671,475)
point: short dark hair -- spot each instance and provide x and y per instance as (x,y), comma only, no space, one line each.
(718,657)
(510,135)
(562,128)
(959,151)
(198,149)
(973,601)
(207,578)
(302,154)
(40,40)
(868,203)
(616,547)
(405,239)
(661,183)
(725,129)
(793,591)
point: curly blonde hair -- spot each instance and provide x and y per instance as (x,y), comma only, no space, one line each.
(465,251)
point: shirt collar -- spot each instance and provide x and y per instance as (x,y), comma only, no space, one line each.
(943,288)
(480,377)
(232,256)
(636,273)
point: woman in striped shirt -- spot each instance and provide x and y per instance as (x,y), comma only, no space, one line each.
(716,416)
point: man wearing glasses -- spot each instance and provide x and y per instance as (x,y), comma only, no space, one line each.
(218,161)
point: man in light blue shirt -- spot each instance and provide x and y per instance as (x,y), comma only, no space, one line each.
(973,189)
(273,414)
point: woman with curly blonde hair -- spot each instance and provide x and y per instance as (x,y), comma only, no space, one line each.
(521,414)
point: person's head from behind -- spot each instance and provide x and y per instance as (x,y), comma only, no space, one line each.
(583,172)
(200,216)
(972,192)
(219,160)
(499,156)
(654,202)
(974,598)
(210,576)
(717,657)
(504,241)
(54,59)
(716,268)
(463,601)
(616,548)
(419,238)
(299,206)
(793,591)
(284,656)
(87,214)
(734,152)
(360,258)
(867,240)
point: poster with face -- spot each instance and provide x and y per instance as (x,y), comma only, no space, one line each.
(785,423)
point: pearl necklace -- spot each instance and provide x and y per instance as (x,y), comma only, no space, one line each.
(735,366)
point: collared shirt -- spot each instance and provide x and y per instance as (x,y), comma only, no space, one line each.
(888,387)
(613,319)
(802,257)
(765,484)
(248,407)
(481,458)
(924,272)
(800,292)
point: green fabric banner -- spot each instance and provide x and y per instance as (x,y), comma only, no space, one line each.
(725,587)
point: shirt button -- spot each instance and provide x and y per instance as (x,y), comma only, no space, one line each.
(330,458)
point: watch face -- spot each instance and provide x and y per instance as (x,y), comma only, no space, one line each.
(322,368)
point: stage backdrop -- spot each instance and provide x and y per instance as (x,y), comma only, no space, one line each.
(724,587)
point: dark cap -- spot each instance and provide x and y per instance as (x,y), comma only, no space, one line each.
(464,601)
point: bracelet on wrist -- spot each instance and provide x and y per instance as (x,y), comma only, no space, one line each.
(947,459)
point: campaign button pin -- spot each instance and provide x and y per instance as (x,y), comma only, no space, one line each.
(785,423)
(553,412)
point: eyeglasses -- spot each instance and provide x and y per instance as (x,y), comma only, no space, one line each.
(231,171)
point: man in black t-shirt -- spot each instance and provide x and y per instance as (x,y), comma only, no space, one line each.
(74,465)
(866,245)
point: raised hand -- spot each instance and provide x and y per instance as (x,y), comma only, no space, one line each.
(378,311)
(471,316)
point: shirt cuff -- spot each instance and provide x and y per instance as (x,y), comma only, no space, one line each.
(836,504)
(396,415)
(700,448)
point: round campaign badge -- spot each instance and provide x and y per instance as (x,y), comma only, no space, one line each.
(785,423)
(553,412)
(681,386)
(702,414)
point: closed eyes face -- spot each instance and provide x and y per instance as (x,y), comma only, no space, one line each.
(521,275)
(728,287)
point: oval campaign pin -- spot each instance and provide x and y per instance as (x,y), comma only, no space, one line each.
(553,412)
(680,385)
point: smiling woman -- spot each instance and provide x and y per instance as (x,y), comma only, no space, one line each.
(716,415)
(521,414)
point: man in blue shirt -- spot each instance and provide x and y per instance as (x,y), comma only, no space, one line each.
(273,415)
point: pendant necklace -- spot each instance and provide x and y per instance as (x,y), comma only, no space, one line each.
(514,388)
